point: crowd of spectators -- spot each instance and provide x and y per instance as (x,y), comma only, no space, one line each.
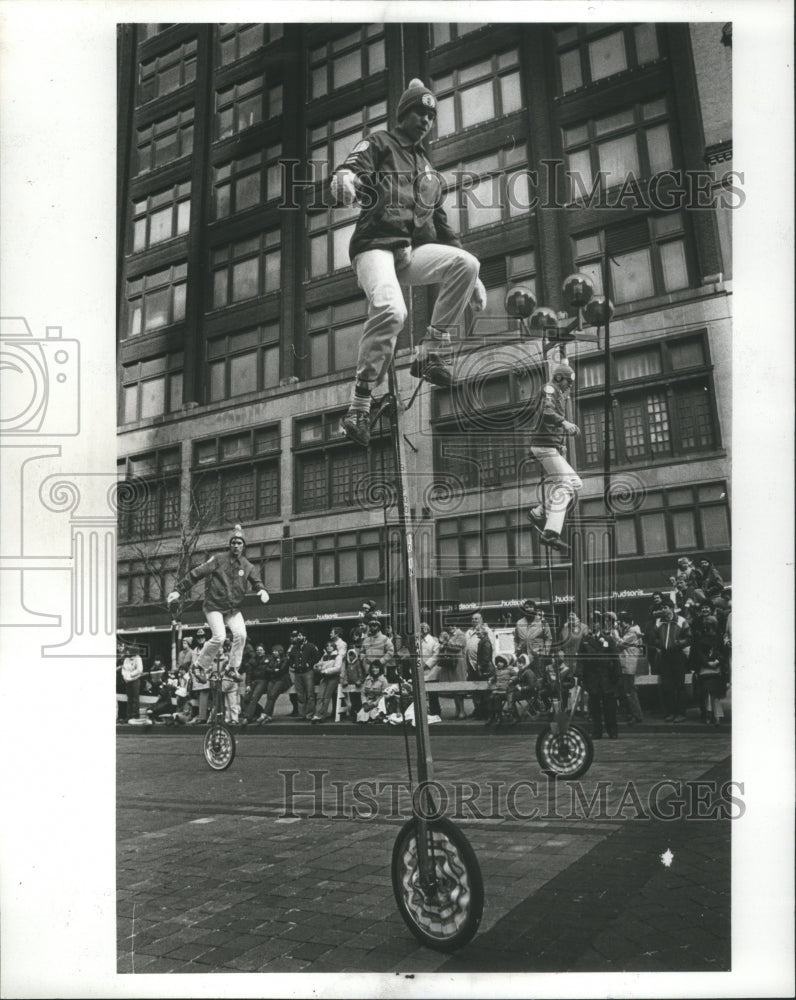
(687,629)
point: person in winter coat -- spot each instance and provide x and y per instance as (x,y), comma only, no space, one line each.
(330,668)
(712,582)
(402,238)
(256,683)
(302,659)
(373,690)
(277,673)
(561,482)
(229,576)
(671,637)
(631,647)
(601,673)
(707,658)
(200,682)
(451,665)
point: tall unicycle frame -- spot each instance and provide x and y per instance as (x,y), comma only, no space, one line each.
(436,877)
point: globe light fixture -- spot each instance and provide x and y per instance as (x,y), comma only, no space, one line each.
(520,302)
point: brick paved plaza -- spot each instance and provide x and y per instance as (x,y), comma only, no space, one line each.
(217,873)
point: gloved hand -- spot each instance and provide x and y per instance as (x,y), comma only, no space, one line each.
(478,298)
(173,597)
(344,187)
(264,596)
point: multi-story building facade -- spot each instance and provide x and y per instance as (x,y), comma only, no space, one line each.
(239,314)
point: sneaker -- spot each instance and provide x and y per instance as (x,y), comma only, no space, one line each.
(433,369)
(553,539)
(356,427)
(537,520)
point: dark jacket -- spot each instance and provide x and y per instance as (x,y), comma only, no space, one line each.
(256,670)
(275,667)
(672,636)
(549,417)
(302,658)
(228,580)
(599,654)
(401,195)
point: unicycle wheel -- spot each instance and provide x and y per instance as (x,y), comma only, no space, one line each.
(446,917)
(566,755)
(219,747)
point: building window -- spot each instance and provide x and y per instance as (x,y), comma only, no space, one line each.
(686,519)
(483,429)
(648,257)
(247,269)
(444,33)
(590,53)
(267,558)
(331,142)
(478,93)
(240,184)
(493,540)
(498,275)
(334,333)
(235,478)
(241,362)
(672,415)
(156,300)
(352,58)
(331,473)
(488,190)
(240,106)
(164,141)
(343,559)
(150,30)
(160,512)
(151,388)
(330,233)
(161,216)
(167,73)
(236,41)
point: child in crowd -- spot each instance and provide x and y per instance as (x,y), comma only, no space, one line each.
(373,689)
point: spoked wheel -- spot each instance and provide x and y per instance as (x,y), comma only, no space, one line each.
(219,747)
(566,755)
(446,916)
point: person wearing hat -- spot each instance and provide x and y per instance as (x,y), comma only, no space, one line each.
(532,636)
(631,648)
(228,578)
(402,238)
(548,446)
(707,658)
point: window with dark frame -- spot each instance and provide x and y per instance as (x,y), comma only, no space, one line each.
(491,189)
(331,141)
(346,558)
(331,473)
(161,216)
(687,519)
(236,41)
(590,53)
(243,361)
(648,257)
(477,93)
(245,104)
(633,143)
(167,72)
(443,33)
(246,269)
(498,275)
(246,182)
(490,541)
(151,387)
(164,141)
(333,335)
(354,57)
(157,482)
(235,478)
(156,300)
(664,403)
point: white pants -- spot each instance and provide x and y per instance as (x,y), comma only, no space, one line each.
(218,623)
(454,270)
(561,483)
